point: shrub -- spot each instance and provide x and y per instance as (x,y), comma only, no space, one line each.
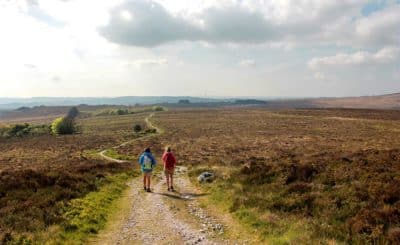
(137,128)
(20,130)
(63,125)
(73,113)
(122,112)
(158,108)
(151,131)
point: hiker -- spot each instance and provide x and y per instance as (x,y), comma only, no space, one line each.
(169,167)
(147,163)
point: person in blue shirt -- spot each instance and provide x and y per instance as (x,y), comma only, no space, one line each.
(147,163)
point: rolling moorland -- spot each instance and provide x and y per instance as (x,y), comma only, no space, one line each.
(287,176)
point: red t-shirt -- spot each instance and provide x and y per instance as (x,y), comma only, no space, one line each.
(169,160)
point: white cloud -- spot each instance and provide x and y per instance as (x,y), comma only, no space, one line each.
(284,23)
(140,63)
(153,25)
(382,27)
(383,56)
(319,76)
(247,63)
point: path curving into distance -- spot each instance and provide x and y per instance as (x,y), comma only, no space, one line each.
(148,124)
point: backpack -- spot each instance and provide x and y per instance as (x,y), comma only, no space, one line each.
(169,161)
(147,163)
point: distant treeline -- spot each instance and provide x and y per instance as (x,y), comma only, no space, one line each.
(129,111)
(250,102)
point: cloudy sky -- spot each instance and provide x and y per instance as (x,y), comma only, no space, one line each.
(199,47)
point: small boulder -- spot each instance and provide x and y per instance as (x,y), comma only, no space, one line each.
(205,177)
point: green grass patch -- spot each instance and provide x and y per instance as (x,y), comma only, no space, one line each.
(85,217)
(114,154)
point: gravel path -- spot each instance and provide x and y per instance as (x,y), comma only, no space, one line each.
(163,217)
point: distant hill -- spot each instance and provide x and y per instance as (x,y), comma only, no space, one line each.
(14,103)
(389,101)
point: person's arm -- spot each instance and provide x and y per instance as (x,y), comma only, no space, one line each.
(164,157)
(153,160)
(141,159)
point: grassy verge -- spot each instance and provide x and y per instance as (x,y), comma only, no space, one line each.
(84,217)
(268,227)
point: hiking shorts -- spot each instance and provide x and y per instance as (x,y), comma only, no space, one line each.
(147,172)
(169,171)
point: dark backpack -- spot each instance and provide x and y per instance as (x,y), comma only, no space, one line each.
(169,161)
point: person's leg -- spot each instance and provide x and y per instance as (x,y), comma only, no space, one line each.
(167,177)
(144,180)
(148,180)
(172,179)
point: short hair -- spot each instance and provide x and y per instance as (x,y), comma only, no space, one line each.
(168,149)
(147,150)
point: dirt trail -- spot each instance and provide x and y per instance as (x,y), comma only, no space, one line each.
(163,217)
(148,124)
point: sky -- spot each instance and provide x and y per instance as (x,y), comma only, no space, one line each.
(261,48)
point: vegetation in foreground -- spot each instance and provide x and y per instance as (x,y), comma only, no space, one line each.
(40,201)
(86,216)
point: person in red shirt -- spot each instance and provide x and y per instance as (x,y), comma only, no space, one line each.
(169,167)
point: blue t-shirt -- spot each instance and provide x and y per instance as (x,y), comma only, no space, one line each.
(147,162)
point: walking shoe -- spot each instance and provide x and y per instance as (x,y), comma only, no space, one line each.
(172,188)
(148,190)
(144,187)
(169,189)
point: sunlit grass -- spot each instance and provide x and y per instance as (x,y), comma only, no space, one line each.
(84,217)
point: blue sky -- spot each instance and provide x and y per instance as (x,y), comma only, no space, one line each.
(199,47)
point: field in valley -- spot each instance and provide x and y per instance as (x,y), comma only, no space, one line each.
(288,176)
